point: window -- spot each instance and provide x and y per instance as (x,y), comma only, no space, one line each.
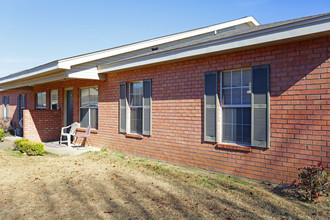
(5,107)
(236,106)
(136,107)
(54,99)
(41,100)
(89,107)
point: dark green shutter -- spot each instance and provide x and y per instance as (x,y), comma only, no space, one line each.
(7,107)
(146,113)
(122,106)
(3,107)
(260,106)
(18,109)
(211,106)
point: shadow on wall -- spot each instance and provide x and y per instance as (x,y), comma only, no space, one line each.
(42,125)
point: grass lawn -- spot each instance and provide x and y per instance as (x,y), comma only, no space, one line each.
(109,185)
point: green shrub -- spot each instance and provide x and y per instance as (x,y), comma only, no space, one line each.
(31,148)
(313,180)
(1,133)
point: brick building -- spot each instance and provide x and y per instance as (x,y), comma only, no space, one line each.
(237,97)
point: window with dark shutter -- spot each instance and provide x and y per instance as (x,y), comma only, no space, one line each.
(210,106)
(122,106)
(236,106)
(260,106)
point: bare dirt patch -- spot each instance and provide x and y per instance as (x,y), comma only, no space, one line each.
(109,185)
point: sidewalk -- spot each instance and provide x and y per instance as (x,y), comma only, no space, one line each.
(62,149)
(8,142)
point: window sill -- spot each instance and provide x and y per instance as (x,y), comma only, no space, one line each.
(136,136)
(234,147)
(93,131)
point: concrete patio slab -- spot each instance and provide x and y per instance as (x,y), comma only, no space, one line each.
(62,149)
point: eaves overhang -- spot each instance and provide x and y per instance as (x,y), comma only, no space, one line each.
(306,29)
(32,76)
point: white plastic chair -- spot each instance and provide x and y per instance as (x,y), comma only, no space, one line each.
(72,132)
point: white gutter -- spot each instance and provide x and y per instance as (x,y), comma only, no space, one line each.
(299,29)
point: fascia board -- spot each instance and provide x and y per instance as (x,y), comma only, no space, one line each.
(32,72)
(67,63)
(241,41)
(40,80)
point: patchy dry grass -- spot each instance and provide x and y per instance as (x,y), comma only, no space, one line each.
(109,185)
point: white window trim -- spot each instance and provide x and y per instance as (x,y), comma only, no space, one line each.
(128,112)
(231,106)
(38,107)
(89,112)
(51,100)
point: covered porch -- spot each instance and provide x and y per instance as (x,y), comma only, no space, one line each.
(55,105)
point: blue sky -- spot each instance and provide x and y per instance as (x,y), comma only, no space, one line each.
(35,32)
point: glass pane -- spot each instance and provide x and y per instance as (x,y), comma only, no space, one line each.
(227,115)
(94,117)
(236,96)
(41,100)
(246,77)
(237,133)
(237,116)
(236,78)
(226,96)
(93,97)
(136,120)
(84,97)
(84,117)
(227,133)
(138,88)
(246,96)
(136,93)
(43,95)
(246,116)
(53,99)
(247,134)
(226,79)
(138,100)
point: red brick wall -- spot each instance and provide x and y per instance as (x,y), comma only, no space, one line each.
(42,125)
(300,111)
(300,115)
(12,104)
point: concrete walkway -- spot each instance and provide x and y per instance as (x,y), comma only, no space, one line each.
(50,147)
(8,142)
(62,149)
